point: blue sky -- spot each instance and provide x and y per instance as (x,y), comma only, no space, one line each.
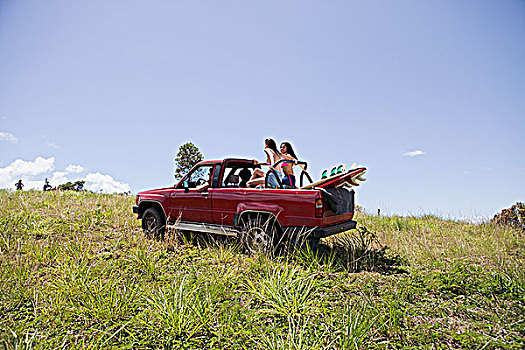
(108,90)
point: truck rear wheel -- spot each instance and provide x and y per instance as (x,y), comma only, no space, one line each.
(258,235)
(153,223)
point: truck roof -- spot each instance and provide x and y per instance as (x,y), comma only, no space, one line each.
(217,161)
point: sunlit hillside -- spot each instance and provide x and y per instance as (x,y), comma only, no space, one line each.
(76,272)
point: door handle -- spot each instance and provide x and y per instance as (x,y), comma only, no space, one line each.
(205,194)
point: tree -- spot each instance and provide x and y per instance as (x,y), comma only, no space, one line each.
(69,186)
(188,156)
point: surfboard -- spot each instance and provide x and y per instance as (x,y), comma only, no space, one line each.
(347,178)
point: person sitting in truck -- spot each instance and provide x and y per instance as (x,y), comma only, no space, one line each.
(245,174)
(272,157)
(203,187)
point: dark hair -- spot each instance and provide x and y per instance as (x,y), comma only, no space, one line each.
(289,149)
(271,145)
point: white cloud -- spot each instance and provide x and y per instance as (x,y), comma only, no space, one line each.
(414,153)
(25,170)
(5,136)
(34,172)
(50,143)
(75,169)
(21,167)
(58,178)
(98,182)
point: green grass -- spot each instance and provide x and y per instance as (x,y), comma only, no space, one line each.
(76,272)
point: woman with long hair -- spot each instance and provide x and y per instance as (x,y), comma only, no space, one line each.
(272,157)
(288,153)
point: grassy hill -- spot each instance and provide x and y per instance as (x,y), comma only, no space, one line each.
(76,272)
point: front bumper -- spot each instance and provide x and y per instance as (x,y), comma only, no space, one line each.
(135,209)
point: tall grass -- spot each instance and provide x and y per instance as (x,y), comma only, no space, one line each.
(76,272)
(284,291)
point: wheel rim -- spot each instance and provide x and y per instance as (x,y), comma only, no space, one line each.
(258,240)
(151,224)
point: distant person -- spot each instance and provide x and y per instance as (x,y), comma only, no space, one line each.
(19,185)
(272,157)
(47,186)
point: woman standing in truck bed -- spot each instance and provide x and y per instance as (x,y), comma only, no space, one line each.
(272,157)
(288,153)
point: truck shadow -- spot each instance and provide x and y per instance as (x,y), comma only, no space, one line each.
(353,251)
(349,258)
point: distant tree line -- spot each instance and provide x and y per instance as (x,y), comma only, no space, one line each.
(72,186)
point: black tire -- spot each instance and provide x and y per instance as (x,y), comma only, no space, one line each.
(259,235)
(153,223)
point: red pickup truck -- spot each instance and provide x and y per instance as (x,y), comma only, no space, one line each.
(213,197)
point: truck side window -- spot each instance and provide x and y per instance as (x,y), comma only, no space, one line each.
(236,174)
(230,179)
(199,176)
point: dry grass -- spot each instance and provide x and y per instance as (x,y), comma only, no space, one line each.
(76,272)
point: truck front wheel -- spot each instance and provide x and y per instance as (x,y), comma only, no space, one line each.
(258,235)
(153,223)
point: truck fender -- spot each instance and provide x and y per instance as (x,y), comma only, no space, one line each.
(145,204)
(272,211)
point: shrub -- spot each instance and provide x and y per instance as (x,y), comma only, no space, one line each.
(513,216)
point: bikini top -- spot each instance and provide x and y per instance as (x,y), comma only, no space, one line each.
(287,164)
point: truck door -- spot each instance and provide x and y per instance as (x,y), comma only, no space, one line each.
(229,190)
(192,201)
